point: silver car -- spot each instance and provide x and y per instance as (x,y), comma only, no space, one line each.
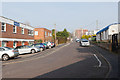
(7,53)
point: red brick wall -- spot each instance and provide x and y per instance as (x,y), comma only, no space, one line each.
(10,44)
(19,43)
(0,44)
(41,34)
(9,33)
(26,43)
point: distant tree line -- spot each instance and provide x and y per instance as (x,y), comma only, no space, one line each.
(61,36)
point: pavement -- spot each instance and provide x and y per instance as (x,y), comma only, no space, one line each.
(112,58)
(65,61)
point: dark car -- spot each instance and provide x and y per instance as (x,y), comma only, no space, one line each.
(46,46)
(53,44)
(39,45)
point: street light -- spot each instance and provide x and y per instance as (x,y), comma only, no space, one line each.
(55,33)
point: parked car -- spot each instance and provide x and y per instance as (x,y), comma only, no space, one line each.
(53,44)
(77,40)
(7,53)
(84,42)
(27,49)
(39,45)
(45,45)
(49,44)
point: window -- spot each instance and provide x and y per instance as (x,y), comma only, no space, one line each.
(14,29)
(48,34)
(36,32)
(3,26)
(14,44)
(2,49)
(3,44)
(45,33)
(22,30)
(22,43)
(30,32)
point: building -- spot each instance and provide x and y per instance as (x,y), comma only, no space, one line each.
(80,32)
(93,32)
(13,33)
(43,34)
(106,33)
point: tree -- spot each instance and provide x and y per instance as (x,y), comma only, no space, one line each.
(38,41)
(63,34)
(86,37)
(53,33)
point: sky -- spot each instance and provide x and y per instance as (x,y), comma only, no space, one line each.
(69,15)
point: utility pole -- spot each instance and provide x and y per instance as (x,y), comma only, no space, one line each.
(96,24)
(55,33)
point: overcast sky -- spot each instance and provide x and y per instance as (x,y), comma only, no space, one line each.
(70,15)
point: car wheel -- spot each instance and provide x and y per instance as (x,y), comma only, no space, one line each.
(5,57)
(41,49)
(32,51)
(49,47)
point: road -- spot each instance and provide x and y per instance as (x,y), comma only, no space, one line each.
(66,61)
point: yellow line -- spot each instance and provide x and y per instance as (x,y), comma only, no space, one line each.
(38,57)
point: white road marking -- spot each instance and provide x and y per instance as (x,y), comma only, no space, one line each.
(100,63)
(110,67)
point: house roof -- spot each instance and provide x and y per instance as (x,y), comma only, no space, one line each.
(106,28)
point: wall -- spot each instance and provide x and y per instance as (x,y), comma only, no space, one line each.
(9,33)
(41,34)
(113,29)
(105,35)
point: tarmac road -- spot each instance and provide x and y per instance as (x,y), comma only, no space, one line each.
(66,61)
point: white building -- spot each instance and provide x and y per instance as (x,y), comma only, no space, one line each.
(92,32)
(106,33)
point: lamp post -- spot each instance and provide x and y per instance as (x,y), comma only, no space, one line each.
(55,33)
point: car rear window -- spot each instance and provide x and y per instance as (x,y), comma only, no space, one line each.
(84,41)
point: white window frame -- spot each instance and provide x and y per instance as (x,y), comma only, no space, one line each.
(36,32)
(22,30)
(4,44)
(45,33)
(48,34)
(4,27)
(15,29)
(32,32)
(23,43)
(14,46)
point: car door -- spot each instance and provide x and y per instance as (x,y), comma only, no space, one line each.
(22,50)
(28,49)
(1,52)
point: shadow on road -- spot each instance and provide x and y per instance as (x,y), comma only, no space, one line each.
(83,49)
(85,68)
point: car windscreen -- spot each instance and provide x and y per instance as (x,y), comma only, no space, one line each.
(84,41)
(8,48)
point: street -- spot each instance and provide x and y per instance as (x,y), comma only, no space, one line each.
(68,60)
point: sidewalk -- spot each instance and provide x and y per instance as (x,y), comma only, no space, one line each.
(113,59)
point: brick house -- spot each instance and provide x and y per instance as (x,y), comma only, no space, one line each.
(80,32)
(13,33)
(43,34)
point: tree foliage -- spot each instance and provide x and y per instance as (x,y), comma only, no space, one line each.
(38,41)
(53,33)
(63,34)
(86,37)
